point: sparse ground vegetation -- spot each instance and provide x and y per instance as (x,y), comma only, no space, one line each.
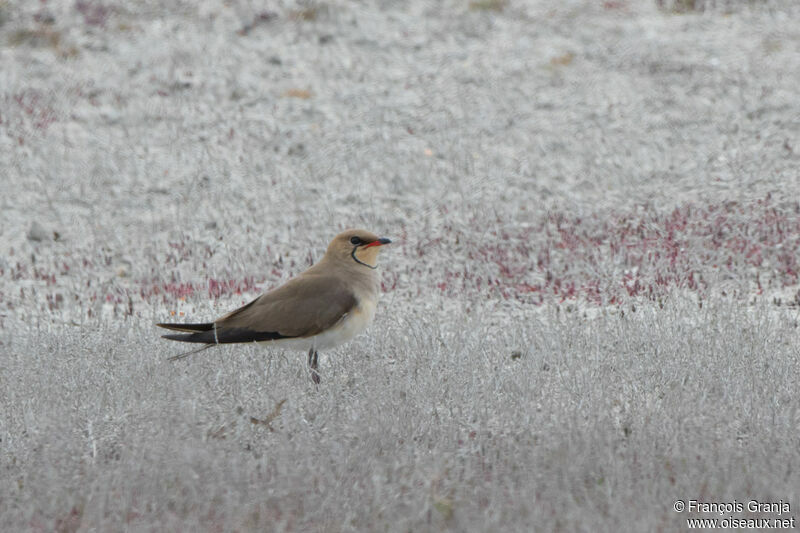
(590,307)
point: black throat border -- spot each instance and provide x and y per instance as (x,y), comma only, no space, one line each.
(357,260)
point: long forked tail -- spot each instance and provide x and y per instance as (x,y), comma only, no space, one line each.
(201,333)
(210,335)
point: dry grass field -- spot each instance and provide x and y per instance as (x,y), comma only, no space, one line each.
(589,309)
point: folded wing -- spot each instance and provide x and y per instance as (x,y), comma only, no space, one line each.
(303,307)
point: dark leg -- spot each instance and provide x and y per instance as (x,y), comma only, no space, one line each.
(313,363)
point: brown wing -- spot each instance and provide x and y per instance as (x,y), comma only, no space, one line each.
(303,307)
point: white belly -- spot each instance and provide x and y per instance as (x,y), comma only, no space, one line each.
(351,325)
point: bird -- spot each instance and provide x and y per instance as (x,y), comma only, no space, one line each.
(325,306)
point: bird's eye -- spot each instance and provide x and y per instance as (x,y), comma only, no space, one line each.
(355,240)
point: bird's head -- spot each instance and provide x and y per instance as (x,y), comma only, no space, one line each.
(358,246)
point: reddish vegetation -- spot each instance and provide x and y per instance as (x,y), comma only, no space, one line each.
(604,258)
(32,109)
(213,288)
(94,13)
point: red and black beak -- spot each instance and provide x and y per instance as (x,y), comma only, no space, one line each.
(379,242)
